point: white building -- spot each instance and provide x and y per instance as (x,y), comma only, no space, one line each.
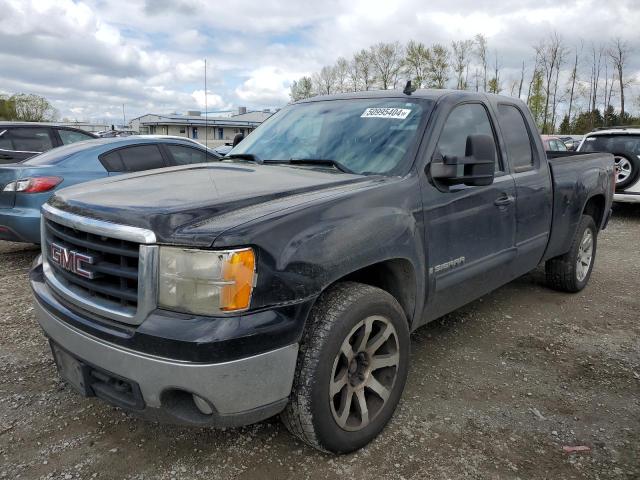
(216,130)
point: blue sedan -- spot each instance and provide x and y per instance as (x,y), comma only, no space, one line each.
(24,187)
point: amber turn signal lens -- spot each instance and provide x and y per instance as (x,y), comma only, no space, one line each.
(239,270)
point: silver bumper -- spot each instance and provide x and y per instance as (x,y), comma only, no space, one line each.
(626,197)
(232,388)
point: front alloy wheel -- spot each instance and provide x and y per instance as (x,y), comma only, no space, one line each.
(351,370)
(364,372)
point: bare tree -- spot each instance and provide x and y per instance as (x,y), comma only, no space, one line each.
(481,53)
(573,79)
(618,52)
(415,62)
(494,83)
(325,80)
(301,89)
(32,108)
(438,66)
(596,68)
(364,68)
(461,59)
(550,53)
(341,70)
(387,60)
(521,81)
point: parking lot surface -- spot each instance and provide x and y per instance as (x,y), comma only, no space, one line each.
(496,390)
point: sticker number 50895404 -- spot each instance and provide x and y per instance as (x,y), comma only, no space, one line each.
(400,113)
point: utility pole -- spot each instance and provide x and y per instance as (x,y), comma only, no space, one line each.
(206,114)
(124,122)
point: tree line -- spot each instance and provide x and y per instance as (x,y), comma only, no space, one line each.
(569,89)
(26,108)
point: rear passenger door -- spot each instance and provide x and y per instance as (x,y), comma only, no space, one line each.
(533,187)
(135,158)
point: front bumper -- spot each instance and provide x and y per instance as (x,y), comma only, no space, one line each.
(238,391)
(20,225)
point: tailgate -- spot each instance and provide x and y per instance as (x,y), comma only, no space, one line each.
(8,173)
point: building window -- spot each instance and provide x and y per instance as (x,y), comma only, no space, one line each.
(195,132)
(220,133)
(182,130)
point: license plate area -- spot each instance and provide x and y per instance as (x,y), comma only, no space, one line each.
(92,381)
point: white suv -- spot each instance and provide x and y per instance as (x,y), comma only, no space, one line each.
(624,144)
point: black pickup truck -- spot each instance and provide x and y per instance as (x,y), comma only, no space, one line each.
(287,277)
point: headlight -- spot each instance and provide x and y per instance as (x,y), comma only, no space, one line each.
(205,282)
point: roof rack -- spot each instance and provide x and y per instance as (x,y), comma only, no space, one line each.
(617,127)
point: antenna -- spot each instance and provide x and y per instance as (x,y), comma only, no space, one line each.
(408,89)
(206,116)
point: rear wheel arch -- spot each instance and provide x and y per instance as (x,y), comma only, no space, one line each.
(594,207)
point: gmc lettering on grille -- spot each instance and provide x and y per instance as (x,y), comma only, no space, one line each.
(72,261)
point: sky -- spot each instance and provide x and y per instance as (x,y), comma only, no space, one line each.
(91,57)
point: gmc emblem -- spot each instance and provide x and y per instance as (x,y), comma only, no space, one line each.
(74,262)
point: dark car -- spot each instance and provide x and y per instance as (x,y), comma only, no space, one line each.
(22,140)
(287,277)
(25,186)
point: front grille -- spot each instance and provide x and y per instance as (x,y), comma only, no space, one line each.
(114,269)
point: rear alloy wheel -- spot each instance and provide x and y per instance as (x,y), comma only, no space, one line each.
(570,272)
(351,370)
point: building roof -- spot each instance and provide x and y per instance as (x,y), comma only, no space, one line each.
(249,119)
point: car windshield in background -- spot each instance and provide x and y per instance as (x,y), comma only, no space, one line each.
(365,136)
(612,144)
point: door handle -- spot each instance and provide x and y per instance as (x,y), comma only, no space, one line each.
(503,200)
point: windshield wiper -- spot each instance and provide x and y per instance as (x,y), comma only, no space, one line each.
(321,161)
(245,156)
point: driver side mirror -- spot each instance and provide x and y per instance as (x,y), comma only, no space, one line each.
(476,168)
(238,138)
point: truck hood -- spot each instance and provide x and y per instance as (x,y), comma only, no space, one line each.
(192,205)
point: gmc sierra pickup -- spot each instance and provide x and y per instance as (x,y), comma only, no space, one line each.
(286,278)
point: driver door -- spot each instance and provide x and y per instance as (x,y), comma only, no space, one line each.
(470,230)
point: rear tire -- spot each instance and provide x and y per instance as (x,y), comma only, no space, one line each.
(351,370)
(571,272)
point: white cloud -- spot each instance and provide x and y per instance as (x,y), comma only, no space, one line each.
(266,85)
(91,56)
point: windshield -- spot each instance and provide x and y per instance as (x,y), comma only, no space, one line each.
(366,136)
(612,144)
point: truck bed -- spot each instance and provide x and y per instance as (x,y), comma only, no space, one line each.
(575,175)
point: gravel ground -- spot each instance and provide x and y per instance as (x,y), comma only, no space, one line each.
(495,391)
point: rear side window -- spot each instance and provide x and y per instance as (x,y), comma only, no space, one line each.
(71,136)
(611,144)
(26,139)
(516,137)
(186,155)
(133,159)
(464,120)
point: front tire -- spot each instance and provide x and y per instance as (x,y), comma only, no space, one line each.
(571,272)
(351,370)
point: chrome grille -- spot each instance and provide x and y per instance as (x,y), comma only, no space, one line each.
(121,280)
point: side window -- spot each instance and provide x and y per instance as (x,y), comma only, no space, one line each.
(516,137)
(71,136)
(465,120)
(5,141)
(133,159)
(186,155)
(30,139)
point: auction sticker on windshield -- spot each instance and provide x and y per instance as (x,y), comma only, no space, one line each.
(400,113)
